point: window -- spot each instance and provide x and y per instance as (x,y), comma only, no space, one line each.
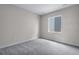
(54,24)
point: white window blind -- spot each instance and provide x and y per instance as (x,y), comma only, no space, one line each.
(54,24)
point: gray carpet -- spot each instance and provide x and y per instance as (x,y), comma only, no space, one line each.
(39,47)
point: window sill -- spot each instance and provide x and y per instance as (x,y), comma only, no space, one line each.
(54,32)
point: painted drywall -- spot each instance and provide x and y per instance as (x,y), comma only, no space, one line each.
(70,26)
(17,25)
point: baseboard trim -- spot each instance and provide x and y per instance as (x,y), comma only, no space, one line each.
(5,46)
(63,43)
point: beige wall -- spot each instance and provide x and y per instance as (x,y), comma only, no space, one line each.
(70,29)
(17,25)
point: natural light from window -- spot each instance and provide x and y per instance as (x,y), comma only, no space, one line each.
(54,24)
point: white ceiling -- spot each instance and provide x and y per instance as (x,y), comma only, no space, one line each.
(41,9)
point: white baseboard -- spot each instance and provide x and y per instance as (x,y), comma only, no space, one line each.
(18,42)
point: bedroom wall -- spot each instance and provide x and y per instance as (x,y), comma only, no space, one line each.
(17,25)
(70,26)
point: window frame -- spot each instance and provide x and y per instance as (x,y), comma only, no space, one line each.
(54,27)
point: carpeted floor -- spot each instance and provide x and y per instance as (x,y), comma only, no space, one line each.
(39,47)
